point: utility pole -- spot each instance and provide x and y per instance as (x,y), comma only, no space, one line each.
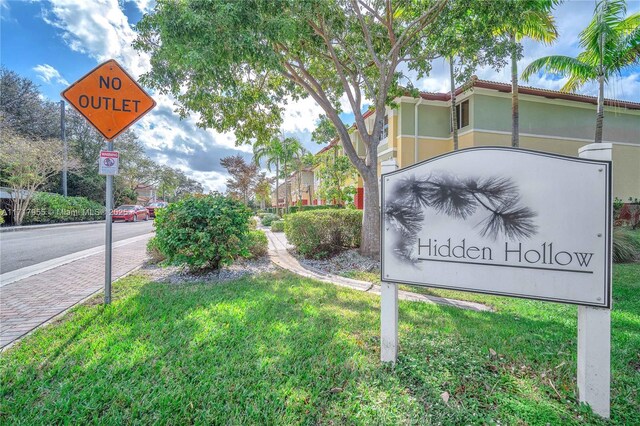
(64,149)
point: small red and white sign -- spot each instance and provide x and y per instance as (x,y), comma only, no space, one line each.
(108,163)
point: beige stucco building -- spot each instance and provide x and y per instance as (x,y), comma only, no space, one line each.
(550,121)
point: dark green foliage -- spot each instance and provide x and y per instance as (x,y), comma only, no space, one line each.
(277,226)
(321,233)
(55,208)
(296,209)
(257,244)
(203,232)
(268,218)
(626,245)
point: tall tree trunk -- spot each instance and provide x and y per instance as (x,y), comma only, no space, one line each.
(370,236)
(287,188)
(515,114)
(454,118)
(600,113)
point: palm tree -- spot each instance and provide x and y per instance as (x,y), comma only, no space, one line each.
(535,21)
(610,42)
(270,151)
(291,149)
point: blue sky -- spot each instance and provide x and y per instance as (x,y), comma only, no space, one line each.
(56,42)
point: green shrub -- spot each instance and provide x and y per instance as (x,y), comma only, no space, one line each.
(626,245)
(257,244)
(56,208)
(262,214)
(296,209)
(322,233)
(277,226)
(253,223)
(154,252)
(203,231)
(268,218)
(2,215)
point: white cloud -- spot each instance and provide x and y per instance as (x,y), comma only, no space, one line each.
(301,115)
(99,29)
(49,74)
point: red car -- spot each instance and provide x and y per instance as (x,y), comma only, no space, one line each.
(130,213)
(156,205)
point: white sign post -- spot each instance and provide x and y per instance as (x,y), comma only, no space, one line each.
(594,331)
(510,222)
(388,303)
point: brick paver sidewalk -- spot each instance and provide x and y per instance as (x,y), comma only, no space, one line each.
(32,301)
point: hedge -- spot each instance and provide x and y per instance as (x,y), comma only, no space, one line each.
(257,244)
(297,209)
(267,219)
(322,233)
(277,226)
(56,208)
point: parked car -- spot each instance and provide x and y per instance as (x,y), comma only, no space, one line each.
(156,205)
(130,213)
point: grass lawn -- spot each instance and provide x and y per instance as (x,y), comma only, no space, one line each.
(278,349)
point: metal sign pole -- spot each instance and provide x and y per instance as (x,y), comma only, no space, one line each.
(107,238)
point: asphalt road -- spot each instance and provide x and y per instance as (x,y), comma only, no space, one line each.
(25,248)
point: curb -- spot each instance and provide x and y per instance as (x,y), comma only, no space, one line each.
(50,225)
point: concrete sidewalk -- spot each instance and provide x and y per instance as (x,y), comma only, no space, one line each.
(279,255)
(28,303)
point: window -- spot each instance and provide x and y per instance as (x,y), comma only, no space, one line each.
(462,114)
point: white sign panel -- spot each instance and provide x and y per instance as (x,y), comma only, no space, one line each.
(108,162)
(502,221)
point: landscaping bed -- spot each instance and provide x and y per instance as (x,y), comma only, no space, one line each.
(182,275)
(279,349)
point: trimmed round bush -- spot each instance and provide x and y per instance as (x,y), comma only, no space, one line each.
(257,244)
(203,232)
(277,226)
(322,233)
(269,218)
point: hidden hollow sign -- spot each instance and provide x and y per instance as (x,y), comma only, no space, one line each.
(502,221)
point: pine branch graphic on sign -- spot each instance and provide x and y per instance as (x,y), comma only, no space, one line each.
(459,199)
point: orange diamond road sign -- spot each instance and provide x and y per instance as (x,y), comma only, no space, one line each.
(109,98)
